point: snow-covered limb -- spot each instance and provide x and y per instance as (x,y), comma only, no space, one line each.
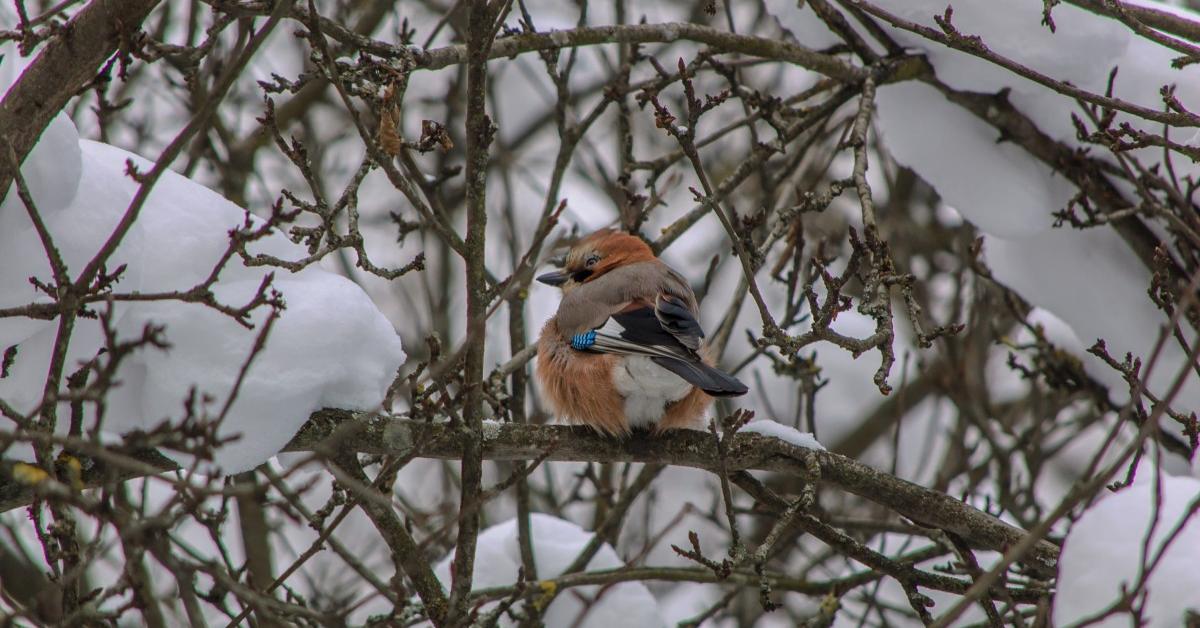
(63,68)
(174,244)
(373,434)
(785,433)
(1100,567)
(767,47)
(383,435)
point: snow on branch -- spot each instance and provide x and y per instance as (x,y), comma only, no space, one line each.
(329,431)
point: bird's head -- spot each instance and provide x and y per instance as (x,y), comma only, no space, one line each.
(596,254)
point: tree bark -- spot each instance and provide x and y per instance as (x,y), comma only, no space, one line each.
(65,66)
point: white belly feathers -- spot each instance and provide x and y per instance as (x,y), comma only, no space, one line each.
(647,388)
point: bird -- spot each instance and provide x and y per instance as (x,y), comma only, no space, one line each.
(625,350)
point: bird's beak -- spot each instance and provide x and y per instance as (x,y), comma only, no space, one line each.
(556,278)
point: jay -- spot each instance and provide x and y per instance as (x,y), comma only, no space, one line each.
(625,348)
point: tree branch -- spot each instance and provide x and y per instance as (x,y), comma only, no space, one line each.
(67,64)
(763,47)
(512,45)
(375,434)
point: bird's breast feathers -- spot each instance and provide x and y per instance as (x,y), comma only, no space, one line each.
(611,392)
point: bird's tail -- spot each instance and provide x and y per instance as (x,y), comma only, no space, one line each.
(712,381)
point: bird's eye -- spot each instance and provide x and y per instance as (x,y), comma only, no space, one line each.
(591,260)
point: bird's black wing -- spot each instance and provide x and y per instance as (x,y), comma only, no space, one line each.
(644,326)
(660,334)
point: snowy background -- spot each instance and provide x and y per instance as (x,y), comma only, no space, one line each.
(963,417)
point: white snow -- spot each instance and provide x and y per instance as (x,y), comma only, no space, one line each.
(52,168)
(331,346)
(560,38)
(1054,330)
(556,544)
(997,186)
(491,429)
(785,433)
(1104,551)
(1089,278)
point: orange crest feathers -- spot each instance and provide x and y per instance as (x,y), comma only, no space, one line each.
(615,248)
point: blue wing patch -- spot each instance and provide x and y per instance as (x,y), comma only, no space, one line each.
(581,342)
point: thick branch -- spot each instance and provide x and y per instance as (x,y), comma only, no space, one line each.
(972,45)
(382,435)
(479,130)
(512,45)
(374,434)
(763,47)
(1154,18)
